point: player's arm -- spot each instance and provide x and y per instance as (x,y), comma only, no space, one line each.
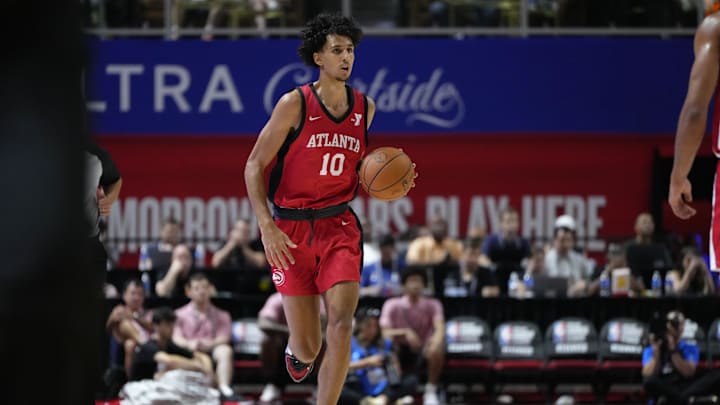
(693,117)
(199,362)
(284,118)
(110,180)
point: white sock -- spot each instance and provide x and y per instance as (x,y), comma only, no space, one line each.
(430,387)
(226,390)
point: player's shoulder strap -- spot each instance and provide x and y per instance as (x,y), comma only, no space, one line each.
(361,97)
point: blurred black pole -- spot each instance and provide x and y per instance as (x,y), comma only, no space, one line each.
(49,297)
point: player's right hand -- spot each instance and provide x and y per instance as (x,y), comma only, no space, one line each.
(680,198)
(277,245)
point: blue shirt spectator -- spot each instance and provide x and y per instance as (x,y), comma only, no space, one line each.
(688,351)
(507,247)
(382,278)
(373,380)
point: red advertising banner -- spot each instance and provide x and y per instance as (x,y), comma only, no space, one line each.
(602,181)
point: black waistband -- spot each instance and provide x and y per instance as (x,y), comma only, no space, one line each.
(295,214)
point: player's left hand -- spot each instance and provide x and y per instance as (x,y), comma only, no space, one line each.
(104,204)
(680,198)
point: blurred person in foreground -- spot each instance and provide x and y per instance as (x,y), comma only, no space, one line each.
(44,238)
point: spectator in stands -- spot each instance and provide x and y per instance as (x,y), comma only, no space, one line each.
(471,278)
(129,324)
(562,260)
(161,353)
(437,251)
(240,252)
(507,249)
(161,252)
(172,280)
(643,255)
(535,264)
(178,15)
(439,13)
(373,375)
(109,291)
(204,327)
(695,278)
(382,279)
(261,7)
(670,365)
(615,260)
(542,12)
(435,248)
(417,326)
(271,320)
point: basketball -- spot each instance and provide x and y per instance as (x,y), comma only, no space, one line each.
(387,173)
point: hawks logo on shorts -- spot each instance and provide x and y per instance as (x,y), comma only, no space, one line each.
(278,277)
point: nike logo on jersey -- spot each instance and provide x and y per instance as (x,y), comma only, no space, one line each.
(314,118)
(344,222)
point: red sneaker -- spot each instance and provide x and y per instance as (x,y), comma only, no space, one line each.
(297,369)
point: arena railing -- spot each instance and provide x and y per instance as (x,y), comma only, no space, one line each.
(523,29)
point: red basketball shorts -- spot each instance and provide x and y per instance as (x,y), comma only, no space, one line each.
(329,251)
(715,224)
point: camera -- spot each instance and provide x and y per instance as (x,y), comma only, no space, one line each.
(657,327)
(660,324)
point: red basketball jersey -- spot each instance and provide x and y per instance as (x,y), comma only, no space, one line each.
(716,123)
(317,165)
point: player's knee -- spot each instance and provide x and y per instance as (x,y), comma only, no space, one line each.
(435,353)
(340,325)
(306,348)
(129,345)
(222,352)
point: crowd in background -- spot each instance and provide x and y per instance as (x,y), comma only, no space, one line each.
(400,346)
(210,14)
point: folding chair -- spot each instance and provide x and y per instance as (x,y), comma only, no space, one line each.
(713,345)
(571,349)
(519,356)
(469,351)
(620,354)
(246,339)
(692,333)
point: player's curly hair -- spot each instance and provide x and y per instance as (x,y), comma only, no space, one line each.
(316,31)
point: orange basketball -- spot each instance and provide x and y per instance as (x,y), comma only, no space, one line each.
(387,173)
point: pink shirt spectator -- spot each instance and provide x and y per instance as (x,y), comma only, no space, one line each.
(399,312)
(194,325)
(273,309)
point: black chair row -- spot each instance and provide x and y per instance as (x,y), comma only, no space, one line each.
(570,351)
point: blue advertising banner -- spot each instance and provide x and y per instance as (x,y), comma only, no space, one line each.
(478,85)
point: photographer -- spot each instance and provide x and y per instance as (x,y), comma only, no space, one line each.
(670,363)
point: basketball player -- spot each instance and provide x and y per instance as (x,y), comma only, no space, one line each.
(693,118)
(312,240)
